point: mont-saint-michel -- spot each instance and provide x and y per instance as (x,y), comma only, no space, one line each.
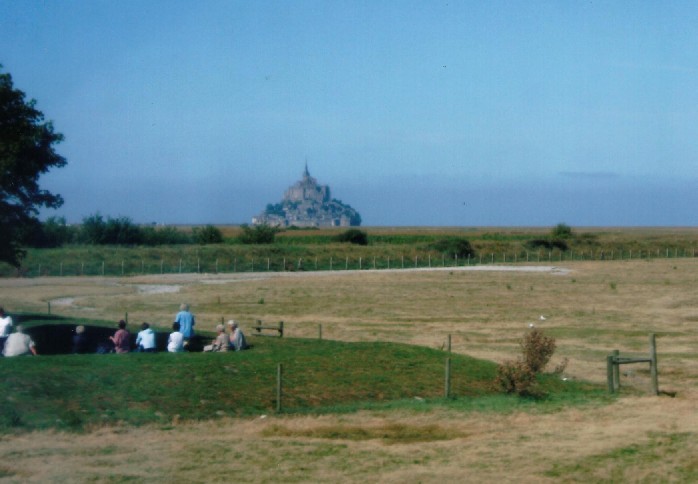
(308,204)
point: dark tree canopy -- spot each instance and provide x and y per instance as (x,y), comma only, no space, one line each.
(26,152)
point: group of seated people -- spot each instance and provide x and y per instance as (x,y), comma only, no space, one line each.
(17,342)
(176,342)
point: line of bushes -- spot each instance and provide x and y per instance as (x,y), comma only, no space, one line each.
(96,230)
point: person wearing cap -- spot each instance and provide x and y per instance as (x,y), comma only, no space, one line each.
(145,341)
(19,344)
(5,327)
(237,338)
(79,340)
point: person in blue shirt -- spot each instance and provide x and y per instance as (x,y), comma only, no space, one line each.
(186,321)
(145,341)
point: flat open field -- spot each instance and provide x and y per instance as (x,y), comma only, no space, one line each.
(589,307)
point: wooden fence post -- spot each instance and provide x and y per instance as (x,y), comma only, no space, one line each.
(653,364)
(319,331)
(279,374)
(449,343)
(447,379)
(616,371)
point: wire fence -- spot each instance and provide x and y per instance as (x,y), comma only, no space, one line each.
(129,265)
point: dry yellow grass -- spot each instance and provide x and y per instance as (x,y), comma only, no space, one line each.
(593,308)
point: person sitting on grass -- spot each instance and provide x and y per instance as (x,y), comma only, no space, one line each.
(145,341)
(221,342)
(19,344)
(121,339)
(175,343)
(79,340)
(5,327)
(237,338)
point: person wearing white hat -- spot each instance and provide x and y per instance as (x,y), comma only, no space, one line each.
(237,338)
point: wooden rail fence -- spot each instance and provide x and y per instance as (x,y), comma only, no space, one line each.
(614,360)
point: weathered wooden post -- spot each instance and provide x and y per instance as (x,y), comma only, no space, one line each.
(447,379)
(126,317)
(449,343)
(653,364)
(279,374)
(319,331)
(609,373)
(616,371)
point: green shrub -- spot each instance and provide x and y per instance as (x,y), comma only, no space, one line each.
(562,231)
(453,246)
(208,235)
(353,236)
(548,244)
(259,234)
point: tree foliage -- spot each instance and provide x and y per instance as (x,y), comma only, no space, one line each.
(208,235)
(95,230)
(562,231)
(26,152)
(454,246)
(259,234)
(353,236)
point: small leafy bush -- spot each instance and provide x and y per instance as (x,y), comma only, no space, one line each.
(208,235)
(519,376)
(547,244)
(353,236)
(453,246)
(562,231)
(259,234)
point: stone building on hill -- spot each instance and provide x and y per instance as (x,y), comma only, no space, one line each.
(308,204)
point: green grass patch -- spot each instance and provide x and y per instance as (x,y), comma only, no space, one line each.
(77,392)
(646,459)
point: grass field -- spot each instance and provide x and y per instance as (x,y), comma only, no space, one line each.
(312,250)
(590,307)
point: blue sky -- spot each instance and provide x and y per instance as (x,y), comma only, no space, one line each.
(415,113)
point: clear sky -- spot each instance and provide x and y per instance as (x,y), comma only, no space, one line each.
(482,113)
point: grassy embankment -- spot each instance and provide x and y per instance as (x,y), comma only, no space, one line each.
(78,392)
